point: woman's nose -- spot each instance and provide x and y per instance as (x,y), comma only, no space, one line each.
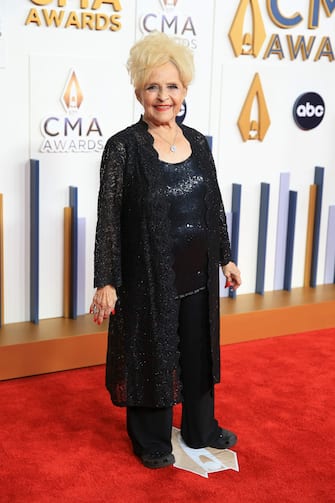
(162,94)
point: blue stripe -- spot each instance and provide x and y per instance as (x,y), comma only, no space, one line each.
(262,237)
(74,253)
(34,240)
(318,181)
(235,227)
(292,210)
(210,141)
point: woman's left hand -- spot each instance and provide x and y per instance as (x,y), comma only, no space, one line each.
(232,274)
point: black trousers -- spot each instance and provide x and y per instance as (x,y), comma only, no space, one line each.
(150,428)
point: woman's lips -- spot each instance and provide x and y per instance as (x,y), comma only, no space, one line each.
(162,108)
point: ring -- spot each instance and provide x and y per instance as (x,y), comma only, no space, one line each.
(95,309)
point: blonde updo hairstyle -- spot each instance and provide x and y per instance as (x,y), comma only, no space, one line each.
(157,49)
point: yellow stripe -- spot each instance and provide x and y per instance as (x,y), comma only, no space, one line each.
(310,233)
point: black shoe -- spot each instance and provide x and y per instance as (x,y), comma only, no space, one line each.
(225,440)
(157,459)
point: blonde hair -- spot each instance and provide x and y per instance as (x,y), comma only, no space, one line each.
(154,50)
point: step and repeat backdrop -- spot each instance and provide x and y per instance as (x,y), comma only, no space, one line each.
(263,94)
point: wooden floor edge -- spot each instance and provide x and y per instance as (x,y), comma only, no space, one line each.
(53,355)
(67,348)
(276,322)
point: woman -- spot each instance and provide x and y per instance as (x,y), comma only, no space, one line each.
(161,235)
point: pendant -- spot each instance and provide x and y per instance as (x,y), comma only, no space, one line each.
(173,148)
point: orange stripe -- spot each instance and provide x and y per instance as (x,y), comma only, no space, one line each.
(310,233)
(67,262)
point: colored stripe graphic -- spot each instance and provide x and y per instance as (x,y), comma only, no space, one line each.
(292,210)
(309,236)
(210,141)
(81,304)
(34,240)
(67,263)
(329,275)
(74,251)
(262,237)
(235,228)
(318,181)
(282,222)
(2,304)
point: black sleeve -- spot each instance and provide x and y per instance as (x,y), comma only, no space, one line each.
(107,253)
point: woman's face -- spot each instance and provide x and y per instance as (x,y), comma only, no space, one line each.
(162,95)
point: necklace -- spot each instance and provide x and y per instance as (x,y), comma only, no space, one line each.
(172,145)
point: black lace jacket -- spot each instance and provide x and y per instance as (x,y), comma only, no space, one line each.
(132,253)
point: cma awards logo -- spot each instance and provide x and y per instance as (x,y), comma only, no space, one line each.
(247,33)
(172,21)
(71,133)
(247,43)
(254,122)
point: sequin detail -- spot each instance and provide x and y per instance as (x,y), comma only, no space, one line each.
(185,189)
(132,252)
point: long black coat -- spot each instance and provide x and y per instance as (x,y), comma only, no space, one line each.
(133,253)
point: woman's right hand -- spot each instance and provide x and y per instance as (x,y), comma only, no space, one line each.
(103,303)
(232,274)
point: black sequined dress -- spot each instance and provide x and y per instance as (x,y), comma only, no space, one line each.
(186,198)
(133,252)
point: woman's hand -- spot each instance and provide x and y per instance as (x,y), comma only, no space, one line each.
(103,303)
(232,274)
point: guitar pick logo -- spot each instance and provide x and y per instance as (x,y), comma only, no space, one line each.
(246,43)
(254,127)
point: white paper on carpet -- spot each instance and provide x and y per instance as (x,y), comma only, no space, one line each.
(202,461)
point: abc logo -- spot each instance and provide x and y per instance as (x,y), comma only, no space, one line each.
(182,113)
(308,111)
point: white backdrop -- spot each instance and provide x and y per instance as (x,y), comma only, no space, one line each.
(35,64)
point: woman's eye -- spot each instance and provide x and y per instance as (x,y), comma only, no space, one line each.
(155,87)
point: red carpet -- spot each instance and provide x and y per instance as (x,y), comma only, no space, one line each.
(62,441)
